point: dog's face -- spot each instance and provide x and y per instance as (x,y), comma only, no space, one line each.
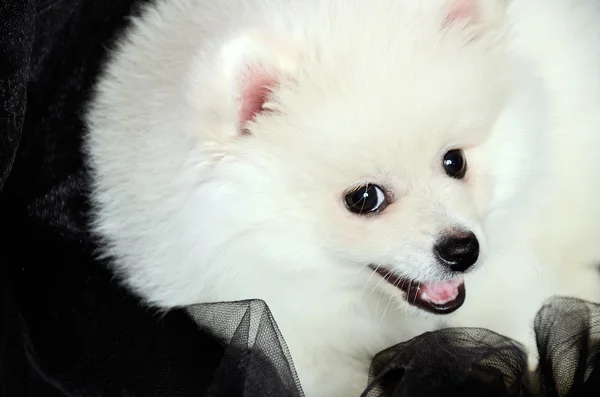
(367,157)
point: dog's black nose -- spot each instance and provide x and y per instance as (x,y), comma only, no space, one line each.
(459,251)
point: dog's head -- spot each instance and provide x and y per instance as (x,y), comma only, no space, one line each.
(349,151)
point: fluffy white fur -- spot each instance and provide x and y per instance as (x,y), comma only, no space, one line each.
(194,208)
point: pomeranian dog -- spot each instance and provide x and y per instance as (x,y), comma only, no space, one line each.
(370,169)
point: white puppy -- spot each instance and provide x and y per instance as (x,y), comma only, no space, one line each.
(350,161)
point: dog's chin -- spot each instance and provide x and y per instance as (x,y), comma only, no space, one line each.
(439,297)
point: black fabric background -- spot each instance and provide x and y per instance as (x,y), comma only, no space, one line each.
(69,330)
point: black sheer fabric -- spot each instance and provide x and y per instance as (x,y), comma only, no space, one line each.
(450,362)
(256,362)
(67,329)
(478,362)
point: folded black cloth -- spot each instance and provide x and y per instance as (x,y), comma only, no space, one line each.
(68,329)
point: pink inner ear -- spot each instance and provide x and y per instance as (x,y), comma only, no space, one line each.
(461,10)
(256,87)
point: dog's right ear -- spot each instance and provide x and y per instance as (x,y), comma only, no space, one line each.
(481,13)
(255,64)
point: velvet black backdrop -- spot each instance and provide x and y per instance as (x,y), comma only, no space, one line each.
(67,329)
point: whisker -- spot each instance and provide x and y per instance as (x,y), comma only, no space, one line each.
(416,295)
(387,276)
(382,279)
(369,279)
(358,274)
(387,306)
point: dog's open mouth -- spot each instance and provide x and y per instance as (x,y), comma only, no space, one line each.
(441,297)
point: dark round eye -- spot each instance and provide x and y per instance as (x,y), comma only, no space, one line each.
(455,164)
(366,199)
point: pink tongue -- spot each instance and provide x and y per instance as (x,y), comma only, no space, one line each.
(440,293)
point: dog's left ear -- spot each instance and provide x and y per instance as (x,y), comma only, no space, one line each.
(255,65)
(479,13)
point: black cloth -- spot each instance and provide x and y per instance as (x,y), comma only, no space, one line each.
(478,362)
(68,329)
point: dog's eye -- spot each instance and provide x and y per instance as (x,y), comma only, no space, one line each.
(366,199)
(455,164)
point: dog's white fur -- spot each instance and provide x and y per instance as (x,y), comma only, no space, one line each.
(193,210)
